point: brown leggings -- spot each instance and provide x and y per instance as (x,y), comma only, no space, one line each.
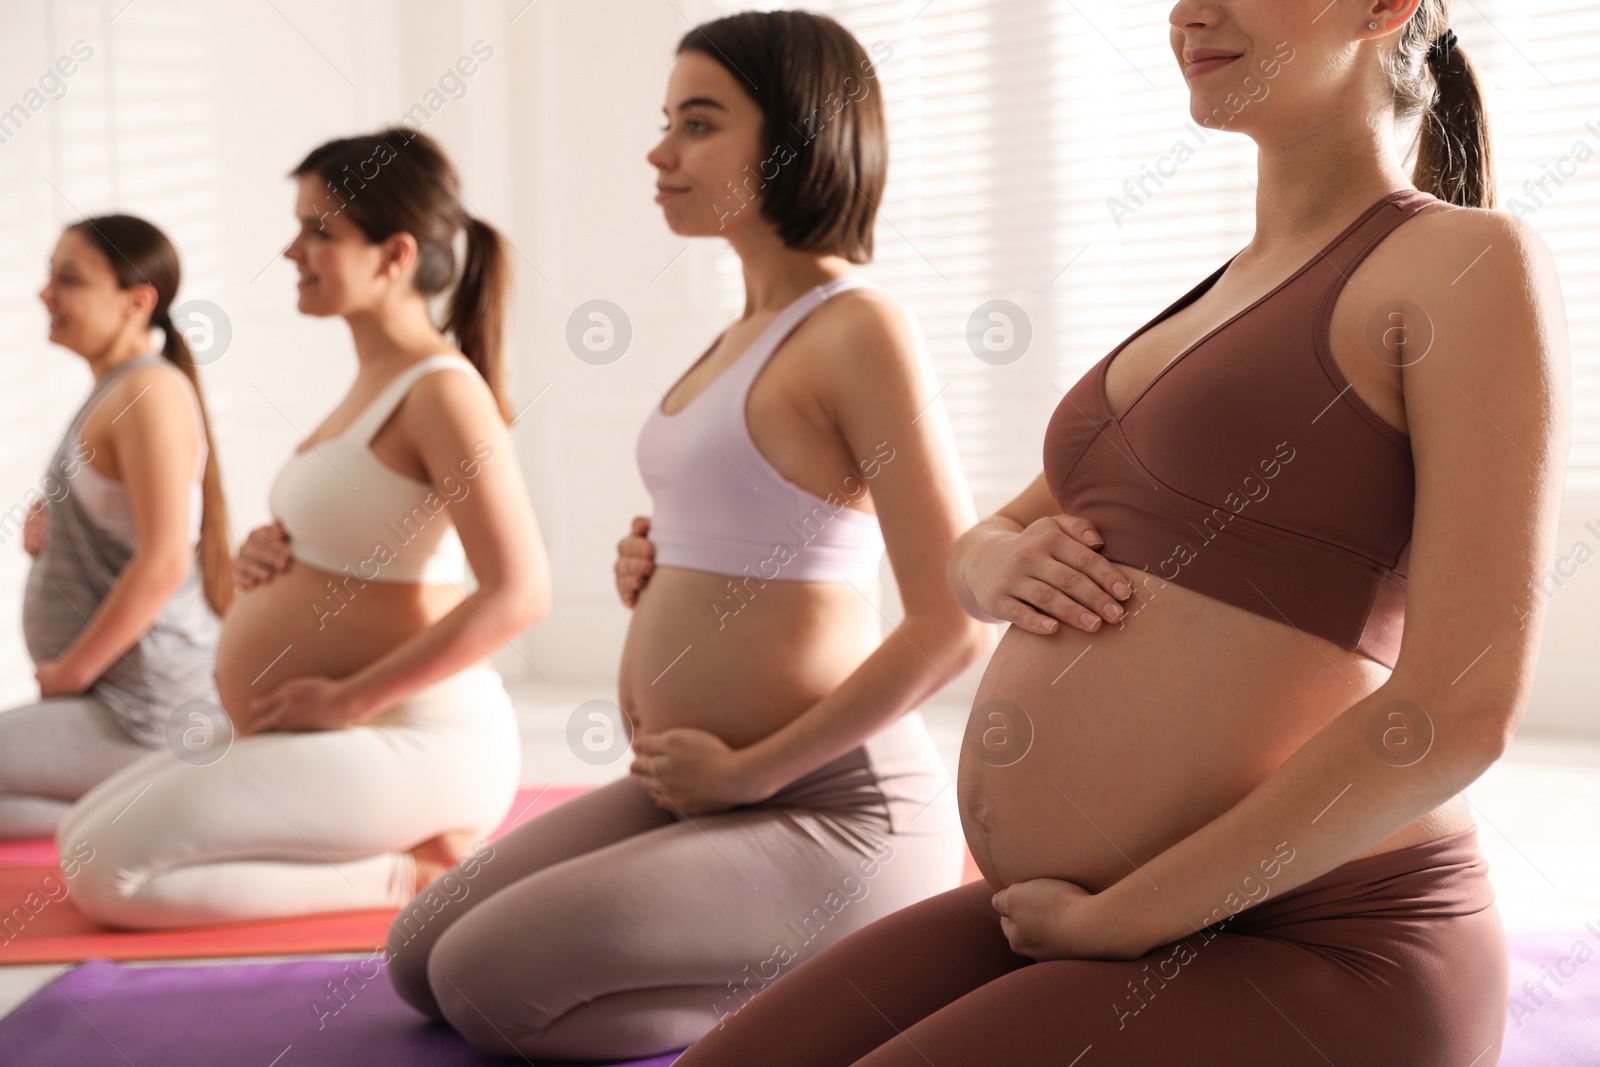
(1396,959)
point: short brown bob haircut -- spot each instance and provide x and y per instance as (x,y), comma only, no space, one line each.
(825,136)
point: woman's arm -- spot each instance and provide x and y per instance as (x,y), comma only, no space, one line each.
(154,446)
(456,427)
(1488,411)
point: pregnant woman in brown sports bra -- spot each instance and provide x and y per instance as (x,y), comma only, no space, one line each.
(1225,825)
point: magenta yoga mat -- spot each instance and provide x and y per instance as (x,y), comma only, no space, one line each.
(282,1014)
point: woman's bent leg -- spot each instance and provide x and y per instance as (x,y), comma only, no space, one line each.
(51,754)
(868,989)
(593,820)
(643,945)
(296,823)
(1395,960)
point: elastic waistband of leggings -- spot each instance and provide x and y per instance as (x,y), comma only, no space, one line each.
(895,777)
(1439,878)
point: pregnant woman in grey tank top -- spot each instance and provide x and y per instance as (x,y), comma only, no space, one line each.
(129,537)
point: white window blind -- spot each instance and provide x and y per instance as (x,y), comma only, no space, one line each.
(1042,153)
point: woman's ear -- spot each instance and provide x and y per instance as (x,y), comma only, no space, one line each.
(140,301)
(399,255)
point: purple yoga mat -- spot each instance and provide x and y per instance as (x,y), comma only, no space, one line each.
(107,1013)
(1553,1018)
(104,1013)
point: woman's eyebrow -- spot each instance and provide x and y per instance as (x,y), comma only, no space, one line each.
(700,101)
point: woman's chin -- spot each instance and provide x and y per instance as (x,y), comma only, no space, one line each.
(310,304)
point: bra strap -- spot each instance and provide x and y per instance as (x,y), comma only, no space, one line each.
(367,424)
(790,319)
(98,393)
(1348,253)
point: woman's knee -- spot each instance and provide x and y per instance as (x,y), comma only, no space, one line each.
(475,991)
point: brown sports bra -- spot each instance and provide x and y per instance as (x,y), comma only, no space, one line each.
(1248,469)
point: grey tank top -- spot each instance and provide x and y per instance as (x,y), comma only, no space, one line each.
(172,662)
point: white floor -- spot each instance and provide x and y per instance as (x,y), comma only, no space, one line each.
(1537,810)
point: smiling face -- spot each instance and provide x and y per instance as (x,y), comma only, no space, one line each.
(1271,67)
(712,137)
(341,272)
(88,311)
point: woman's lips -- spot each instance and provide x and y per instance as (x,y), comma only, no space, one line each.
(665,194)
(1206,66)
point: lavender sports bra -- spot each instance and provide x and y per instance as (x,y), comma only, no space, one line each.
(721,507)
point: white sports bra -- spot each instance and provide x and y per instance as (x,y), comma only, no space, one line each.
(346,511)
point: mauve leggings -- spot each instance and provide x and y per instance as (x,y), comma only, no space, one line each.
(608,928)
(1396,960)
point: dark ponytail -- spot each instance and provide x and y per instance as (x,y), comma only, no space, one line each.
(476,313)
(1432,77)
(140,254)
(399,180)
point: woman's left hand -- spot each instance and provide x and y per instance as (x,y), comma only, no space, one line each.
(57,679)
(306,703)
(1049,919)
(694,772)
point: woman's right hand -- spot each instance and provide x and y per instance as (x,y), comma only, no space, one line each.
(1051,570)
(264,553)
(33,529)
(636,558)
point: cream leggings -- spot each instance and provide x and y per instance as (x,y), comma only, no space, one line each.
(609,928)
(295,823)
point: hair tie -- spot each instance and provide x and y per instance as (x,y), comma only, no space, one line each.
(162,319)
(1439,50)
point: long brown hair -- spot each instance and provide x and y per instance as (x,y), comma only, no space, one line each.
(140,254)
(1455,161)
(399,180)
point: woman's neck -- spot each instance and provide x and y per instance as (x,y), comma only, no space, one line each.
(775,276)
(129,346)
(389,335)
(1320,178)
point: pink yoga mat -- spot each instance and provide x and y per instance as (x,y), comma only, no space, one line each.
(38,923)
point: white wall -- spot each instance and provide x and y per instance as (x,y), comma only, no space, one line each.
(191,113)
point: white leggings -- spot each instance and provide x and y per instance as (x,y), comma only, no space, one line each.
(52,753)
(296,823)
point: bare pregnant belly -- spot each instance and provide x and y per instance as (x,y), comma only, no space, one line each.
(297,625)
(739,664)
(1086,754)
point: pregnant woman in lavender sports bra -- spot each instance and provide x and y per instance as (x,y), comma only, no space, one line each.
(378,740)
(785,791)
(129,544)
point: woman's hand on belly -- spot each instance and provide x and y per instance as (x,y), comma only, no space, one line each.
(1046,572)
(264,553)
(1050,919)
(695,772)
(305,703)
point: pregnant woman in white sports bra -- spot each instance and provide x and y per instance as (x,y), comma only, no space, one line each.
(785,790)
(376,740)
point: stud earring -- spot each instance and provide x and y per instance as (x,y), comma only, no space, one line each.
(1372,25)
